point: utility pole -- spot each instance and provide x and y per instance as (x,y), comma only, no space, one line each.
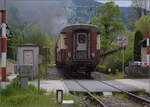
(123,62)
(90,14)
(148,46)
(3,45)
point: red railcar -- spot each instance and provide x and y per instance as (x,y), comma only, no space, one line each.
(78,47)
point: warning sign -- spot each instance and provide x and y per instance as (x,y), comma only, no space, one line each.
(122,41)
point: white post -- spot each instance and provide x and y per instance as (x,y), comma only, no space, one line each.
(147,48)
(3,45)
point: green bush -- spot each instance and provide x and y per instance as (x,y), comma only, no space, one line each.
(137,47)
(101,68)
(142,92)
(121,95)
(42,72)
(16,83)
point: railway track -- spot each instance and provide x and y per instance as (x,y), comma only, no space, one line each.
(101,103)
(132,96)
(93,97)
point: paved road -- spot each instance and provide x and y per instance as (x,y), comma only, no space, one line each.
(51,85)
(96,86)
(139,83)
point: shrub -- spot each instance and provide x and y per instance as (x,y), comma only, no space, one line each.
(16,83)
(137,47)
(42,72)
(101,68)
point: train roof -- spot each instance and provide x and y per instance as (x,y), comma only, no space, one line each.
(80,26)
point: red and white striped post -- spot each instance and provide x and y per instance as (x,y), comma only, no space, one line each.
(148,48)
(3,49)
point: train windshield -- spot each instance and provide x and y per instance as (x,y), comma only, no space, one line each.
(81,38)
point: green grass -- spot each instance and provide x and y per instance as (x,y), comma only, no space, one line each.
(121,95)
(50,65)
(118,75)
(11,61)
(43,70)
(142,92)
(68,97)
(14,96)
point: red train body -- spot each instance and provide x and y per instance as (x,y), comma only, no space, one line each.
(78,47)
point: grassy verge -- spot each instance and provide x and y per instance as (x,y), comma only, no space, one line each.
(14,96)
(121,95)
(43,70)
(142,92)
(11,61)
(117,75)
(73,97)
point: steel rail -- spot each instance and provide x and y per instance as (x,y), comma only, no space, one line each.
(145,101)
(90,94)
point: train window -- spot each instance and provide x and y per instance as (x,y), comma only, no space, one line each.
(81,38)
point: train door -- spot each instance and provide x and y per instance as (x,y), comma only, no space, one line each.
(81,50)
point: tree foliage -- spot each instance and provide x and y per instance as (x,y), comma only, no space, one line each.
(143,24)
(114,61)
(137,47)
(110,26)
(108,21)
(27,32)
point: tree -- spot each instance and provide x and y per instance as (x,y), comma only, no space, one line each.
(108,21)
(137,48)
(12,45)
(140,7)
(143,25)
(110,25)
(26,32)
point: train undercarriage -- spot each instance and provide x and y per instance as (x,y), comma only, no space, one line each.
(85,67)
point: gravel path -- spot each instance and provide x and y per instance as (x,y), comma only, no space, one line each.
(54,74)
(119,102)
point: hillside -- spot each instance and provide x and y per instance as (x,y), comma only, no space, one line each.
(82,14)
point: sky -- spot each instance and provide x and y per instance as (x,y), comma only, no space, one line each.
(41,14)
(121,3)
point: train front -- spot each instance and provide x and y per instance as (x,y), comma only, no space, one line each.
(82,46)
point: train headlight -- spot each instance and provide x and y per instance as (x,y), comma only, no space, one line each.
(93,54)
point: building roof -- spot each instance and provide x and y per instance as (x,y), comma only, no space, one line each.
(28,45)
(80,26)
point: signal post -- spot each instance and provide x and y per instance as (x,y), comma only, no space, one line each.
(3,46)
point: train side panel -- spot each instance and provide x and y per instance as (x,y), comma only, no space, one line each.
(98,47)
(61,53)
(69,44)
